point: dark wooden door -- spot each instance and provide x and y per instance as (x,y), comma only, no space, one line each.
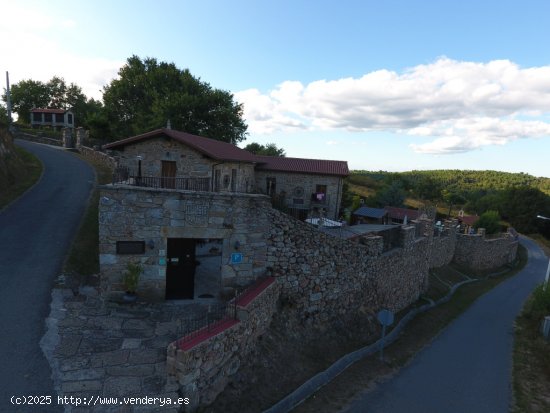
(180,268)
(168,174)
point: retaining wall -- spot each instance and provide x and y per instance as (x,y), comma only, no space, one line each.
(479,254)
(204,364)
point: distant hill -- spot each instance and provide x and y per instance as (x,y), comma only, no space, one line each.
(460,181)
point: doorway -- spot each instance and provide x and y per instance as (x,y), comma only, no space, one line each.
(168,174)
(180,268)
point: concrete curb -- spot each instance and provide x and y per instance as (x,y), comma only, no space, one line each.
(323,378)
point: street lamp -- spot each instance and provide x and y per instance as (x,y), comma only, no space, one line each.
(548,269)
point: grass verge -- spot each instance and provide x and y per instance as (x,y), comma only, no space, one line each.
(531,361)
(83,259)
(417,334)
(28,176)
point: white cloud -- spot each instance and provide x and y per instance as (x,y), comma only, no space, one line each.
(463,105)
(33,51)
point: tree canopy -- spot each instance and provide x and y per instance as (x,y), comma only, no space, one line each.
(148,93)
(269,149)
(55,94)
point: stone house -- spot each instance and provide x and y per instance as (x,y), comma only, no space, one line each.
(193,211)
(54,118)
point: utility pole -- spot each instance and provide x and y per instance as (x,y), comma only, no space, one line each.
(8,98)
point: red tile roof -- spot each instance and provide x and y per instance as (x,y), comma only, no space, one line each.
(469,219)
(301,165)
(400,213)
(213,148)
(223,151)
(48,111)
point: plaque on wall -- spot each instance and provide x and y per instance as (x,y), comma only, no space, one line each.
(130,247)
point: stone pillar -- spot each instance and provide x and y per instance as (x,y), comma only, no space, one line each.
(481,231)
(80,137)
(67,138)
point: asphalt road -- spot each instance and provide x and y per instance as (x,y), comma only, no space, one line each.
(467,368)
(35,235)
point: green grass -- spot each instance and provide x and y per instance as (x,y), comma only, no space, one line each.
(27,177)
(531,360)
(83,259)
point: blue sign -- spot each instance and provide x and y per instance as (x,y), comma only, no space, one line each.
(385,317)
(162,261)
(236,258)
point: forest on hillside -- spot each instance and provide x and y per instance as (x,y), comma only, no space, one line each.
(518,198)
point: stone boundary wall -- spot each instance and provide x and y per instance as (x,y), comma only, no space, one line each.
(98,156)
(479,254)
(39,139)
(443,248)
(324,277)
(204,370)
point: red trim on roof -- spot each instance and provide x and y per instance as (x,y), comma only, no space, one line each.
(255,290)
(59,111)
(206,333)
(302,165)
(213,148)
(224,151)
(399,213)
(469,219)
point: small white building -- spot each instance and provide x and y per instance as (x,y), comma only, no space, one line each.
(54,118)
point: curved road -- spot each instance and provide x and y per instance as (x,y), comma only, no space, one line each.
(35,235)
(467,368)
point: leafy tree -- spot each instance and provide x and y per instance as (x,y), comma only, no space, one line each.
(522,205)
(269,149)
(26,95)
(148,93)
(393,195)
(3,117)
(451,198)
(489,220)
(55,94)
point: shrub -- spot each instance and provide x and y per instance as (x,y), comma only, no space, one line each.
(490,220)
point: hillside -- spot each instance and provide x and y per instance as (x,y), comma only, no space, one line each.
(11,164)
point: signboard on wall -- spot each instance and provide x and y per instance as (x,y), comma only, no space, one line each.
(236,258)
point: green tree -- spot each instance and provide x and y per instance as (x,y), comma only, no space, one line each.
(269,149)
(451,198)
(3,117)
(393,195)
(490,220)
(26,95)
(148,93)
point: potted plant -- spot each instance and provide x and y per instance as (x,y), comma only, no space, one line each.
(131,280)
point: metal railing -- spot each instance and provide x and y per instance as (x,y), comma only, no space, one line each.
(213,316)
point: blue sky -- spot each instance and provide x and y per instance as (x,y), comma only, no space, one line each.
(392,85)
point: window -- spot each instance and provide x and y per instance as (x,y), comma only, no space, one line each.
(48,117)
(37,117)
(59,118)
(271,185)
(233,180)
(70,119)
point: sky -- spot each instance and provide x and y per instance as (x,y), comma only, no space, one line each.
(391,85)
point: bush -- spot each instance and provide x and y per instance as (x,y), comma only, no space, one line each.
(490,220)
(540,306)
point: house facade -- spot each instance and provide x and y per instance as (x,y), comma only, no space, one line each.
(54,118)
(193,211)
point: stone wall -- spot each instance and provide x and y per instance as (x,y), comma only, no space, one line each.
(442,248)
(323,277)
(154,215)
(98,156)
(39,139)
(479,254)
(288,182)
(204,364)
